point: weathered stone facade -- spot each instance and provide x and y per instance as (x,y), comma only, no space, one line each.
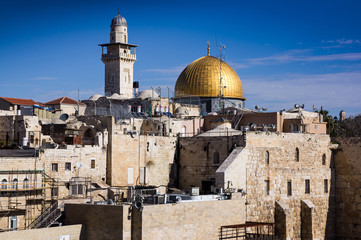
(297,170)
(200,157)
(348,188)
(141,160)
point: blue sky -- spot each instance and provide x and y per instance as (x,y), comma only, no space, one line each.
(285,52)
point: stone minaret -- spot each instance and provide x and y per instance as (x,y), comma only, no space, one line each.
(118,57)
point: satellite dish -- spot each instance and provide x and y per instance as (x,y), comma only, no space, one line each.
(138,205)
(78,164)
(297,106)
(256,107)
(64,117)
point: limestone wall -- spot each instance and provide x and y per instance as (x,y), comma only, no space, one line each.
(348,188)
(100,221)
(191,220)
(131,156)
(197,161)
(281,168)
(63,233)
(75,161)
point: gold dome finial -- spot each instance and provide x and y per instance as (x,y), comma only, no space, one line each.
(209,49)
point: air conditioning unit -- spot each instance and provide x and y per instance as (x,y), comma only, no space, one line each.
(194,191)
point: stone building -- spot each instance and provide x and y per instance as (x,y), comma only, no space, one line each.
(66,105)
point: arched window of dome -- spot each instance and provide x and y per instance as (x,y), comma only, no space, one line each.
(324,159)
(216,157)
(297,155)
(266,157)
(125,39)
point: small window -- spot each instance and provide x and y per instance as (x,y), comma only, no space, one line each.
(216,157)
(324,159)
(4,185)
(325,184)
(54,192)
(307,186)
(68,166)
(13,222)
(54,167)
(267,187)
(26,183)
(266,157)
(289,188)
(297,155)
(15,183)
(92,164)
(316,127)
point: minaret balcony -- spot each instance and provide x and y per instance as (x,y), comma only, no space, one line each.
(113,56)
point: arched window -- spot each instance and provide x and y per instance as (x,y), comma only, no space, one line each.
(4,184)
(266,157)
(26,183)
(15,183)
(297,155)
(215,157)
(324,159)
(125,39)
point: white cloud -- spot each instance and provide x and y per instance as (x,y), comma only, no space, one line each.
(304,56)
(171,70)
(333,91)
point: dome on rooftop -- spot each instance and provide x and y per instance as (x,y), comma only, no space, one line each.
(119,21)
(202,78)
(95,97)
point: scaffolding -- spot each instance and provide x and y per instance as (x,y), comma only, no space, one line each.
(27,193)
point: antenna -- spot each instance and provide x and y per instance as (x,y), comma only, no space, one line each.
(78,103)
(221,47)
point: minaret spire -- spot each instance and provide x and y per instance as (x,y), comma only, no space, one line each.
(208,49)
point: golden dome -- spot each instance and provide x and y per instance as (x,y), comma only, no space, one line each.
(202,78)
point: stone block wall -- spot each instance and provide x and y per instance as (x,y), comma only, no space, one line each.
(67,232)
(100,221)
(197,161)
(130,154)
(80,160)
(191,220)
(282,167)
(348,188)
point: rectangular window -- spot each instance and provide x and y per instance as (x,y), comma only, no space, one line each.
(13,222)
(54,167)
(130,175)
(325,183)
(92,164)
(307,186)
(67,166)
(289,188)
(54,192)
(267,186)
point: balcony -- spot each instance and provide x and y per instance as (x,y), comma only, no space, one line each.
(111,56)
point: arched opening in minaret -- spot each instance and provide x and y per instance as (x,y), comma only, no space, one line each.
(125,39)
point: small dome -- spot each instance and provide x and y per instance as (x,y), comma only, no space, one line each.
(115,96)
(119,21)
(148,94)
(95,97)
